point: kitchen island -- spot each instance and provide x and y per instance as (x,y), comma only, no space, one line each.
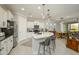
(37,38)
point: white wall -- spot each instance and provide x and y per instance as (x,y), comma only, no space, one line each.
(57,27)
(62,27)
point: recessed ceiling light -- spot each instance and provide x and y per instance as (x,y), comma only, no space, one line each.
(22,9)
(42,14)
(39,7)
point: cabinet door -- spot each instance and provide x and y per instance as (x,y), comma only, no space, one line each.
(1,17)
(10,43)
(69,43)
(3,47)
(10,15)
(5,19)
(75,45)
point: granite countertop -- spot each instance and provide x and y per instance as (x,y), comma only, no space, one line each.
(42,35)
(5,37)
(7,33)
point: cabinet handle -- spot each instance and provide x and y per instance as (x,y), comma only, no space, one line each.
(2,48)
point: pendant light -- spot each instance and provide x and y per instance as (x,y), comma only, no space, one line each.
(43,14)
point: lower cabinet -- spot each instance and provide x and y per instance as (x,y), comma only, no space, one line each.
(73,44)
(6,45)
(3,48)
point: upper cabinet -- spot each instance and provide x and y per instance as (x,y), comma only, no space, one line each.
(10,15)
(4,16)
(2,12)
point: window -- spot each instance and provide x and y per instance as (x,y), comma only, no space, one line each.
(74,27)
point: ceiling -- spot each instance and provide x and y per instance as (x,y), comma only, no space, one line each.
(56,10)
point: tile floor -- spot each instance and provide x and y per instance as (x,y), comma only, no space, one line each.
(26,49)
(22,48)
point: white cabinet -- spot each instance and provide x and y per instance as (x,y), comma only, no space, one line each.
(1,16)
(3,47)
(4,16)
(6,45)
(10,43)
(10,15)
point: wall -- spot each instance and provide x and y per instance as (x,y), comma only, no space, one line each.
(58,27)
(62,27)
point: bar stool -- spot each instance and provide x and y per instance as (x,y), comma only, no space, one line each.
(52,38)
(44,44)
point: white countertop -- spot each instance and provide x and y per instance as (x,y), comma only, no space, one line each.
(43,35)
